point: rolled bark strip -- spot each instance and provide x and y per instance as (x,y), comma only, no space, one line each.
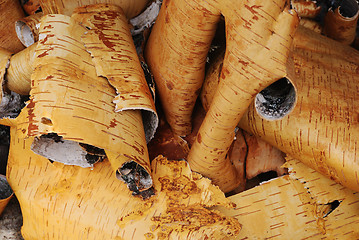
(131,8)
(340,24)
(306,8)
(18,75)
(321,129)
(113,52)
(94,205)
(303,200)
(253,60)
(31,6)
(27,29)
(11,11)
(6,193)
(65,85)
(176,53)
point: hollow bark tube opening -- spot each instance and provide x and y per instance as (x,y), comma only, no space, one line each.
(277,100)
(5,189)
(348,8)
(137,179)
(24,33)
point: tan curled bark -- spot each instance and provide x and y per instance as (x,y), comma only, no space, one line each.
(114,54)
(176,54)
(11,11)
(131,8)
(73,203)
(18,75)
(65,86)
(340,23)
(321,129)
(27,29)
(303,205)
(5,193)
(253,60)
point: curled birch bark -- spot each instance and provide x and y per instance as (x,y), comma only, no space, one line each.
(27,29)
(95,206)
(254,59)
(179,73)
(113,52)
(11,11)
(341,23)
(6,193)
(18,74)
(131,8)
(63,63)
(303,200)
(320,131)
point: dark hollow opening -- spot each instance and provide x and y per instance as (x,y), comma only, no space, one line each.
(277,100)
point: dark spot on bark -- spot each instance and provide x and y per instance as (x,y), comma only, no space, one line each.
(199,138)
(169,85)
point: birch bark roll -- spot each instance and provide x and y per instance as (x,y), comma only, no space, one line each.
(341,23)
(321,129)
(27,29)
(131,8)
(254,59)
(65,86)
(114,54)
(11,11)
(18,75)
(73,202)
(176,53)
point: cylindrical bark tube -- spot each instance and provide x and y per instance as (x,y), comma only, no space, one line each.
(27,29)
(254,59)
(340,24)
(11,11)
(5,193)
(176,54)
(131,8)
(321,131)
(18,75)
